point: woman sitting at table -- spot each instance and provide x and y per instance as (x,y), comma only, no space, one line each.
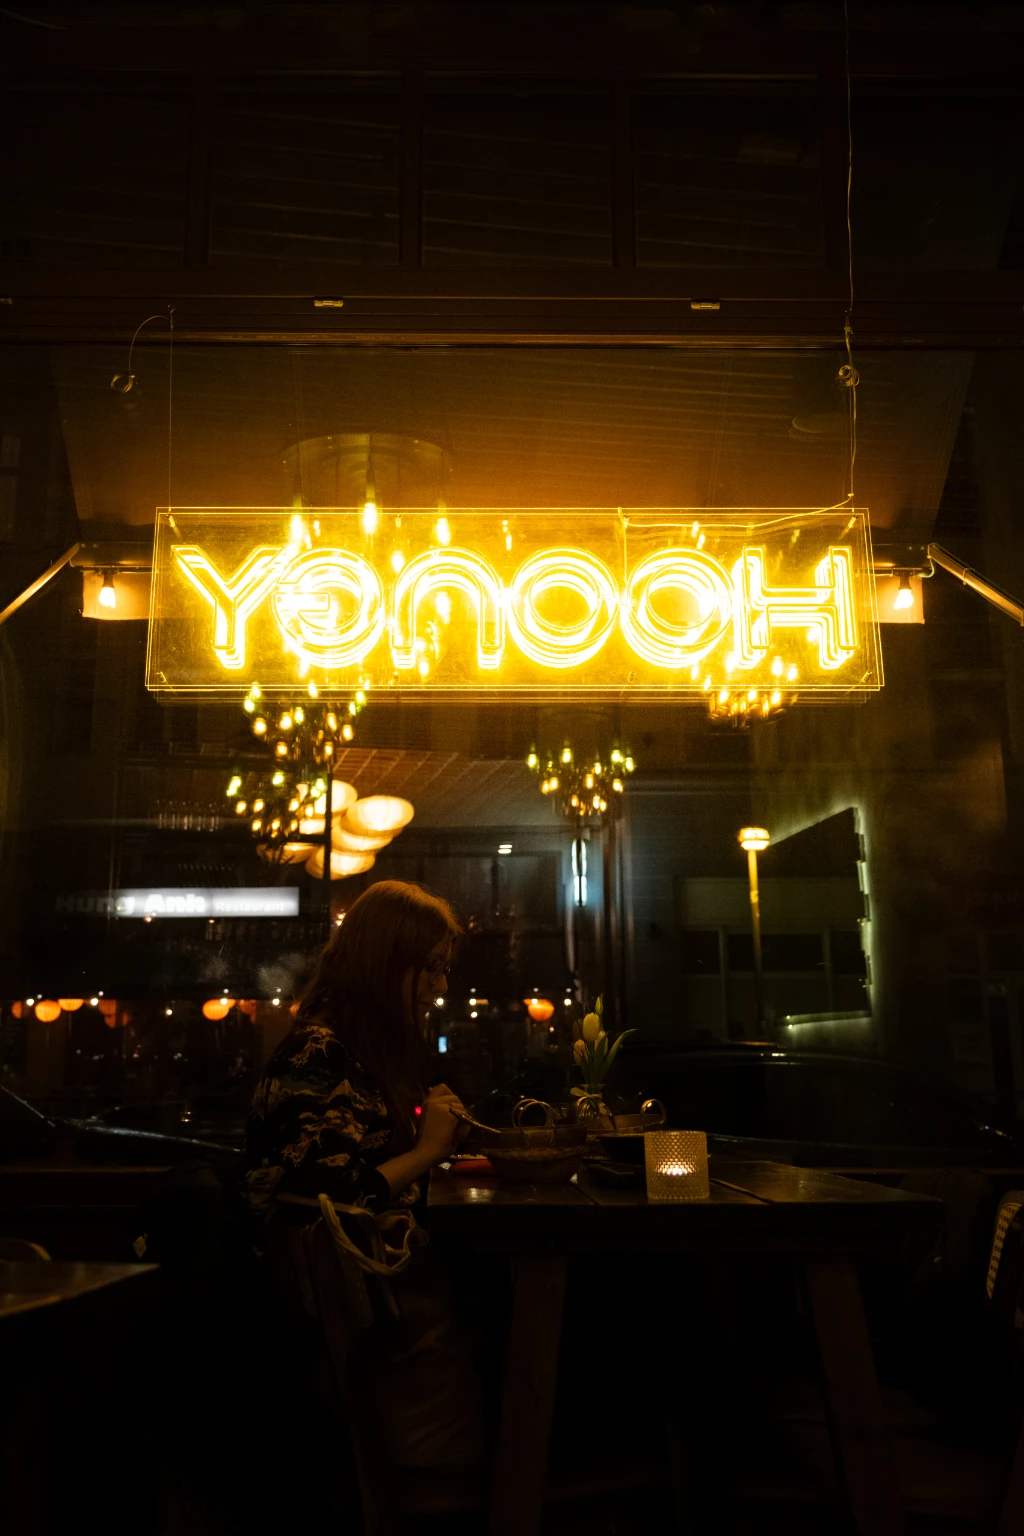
(336,1114)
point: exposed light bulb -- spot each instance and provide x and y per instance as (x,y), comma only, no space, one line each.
(108,597)
(905,596)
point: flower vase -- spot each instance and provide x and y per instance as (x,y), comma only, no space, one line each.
(593,1112)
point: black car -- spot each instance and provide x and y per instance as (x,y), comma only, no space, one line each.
(815,1109)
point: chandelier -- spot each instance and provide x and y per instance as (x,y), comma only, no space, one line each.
(285,807)
(586,789)
(737,707)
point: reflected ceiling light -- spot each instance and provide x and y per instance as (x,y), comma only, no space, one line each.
(376,814)
(754,839)
(342,864)
(291,853)
(342,796)
(352,842)
(905,596)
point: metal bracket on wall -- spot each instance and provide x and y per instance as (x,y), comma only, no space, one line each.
(978,583)
(40,582)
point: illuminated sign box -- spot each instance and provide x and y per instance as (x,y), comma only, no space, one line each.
(184,901)
(598,603)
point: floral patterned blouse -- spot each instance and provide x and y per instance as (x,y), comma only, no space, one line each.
(318,1126)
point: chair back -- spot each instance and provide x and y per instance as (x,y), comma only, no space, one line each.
(1004,1287)
(1004,1283)
(20,1250)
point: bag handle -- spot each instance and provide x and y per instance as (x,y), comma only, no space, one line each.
(329,1211)
(550,1115)
(657,1105)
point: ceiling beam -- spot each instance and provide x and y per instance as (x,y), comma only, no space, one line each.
(415,306)
(573,42)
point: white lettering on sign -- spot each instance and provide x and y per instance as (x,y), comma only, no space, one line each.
(247,901)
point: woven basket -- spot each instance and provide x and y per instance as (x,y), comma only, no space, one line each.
(536,1165)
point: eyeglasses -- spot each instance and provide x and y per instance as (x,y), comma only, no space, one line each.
(437,968)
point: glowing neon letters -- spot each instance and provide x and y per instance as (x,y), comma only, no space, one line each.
(642,602)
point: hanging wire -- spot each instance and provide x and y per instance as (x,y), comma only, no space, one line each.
(122,383)
(170,399)
(848,377)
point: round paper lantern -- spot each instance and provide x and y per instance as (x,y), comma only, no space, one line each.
(71,1004)
(218,1008)
(47,1010)
(377,814)
(108,1008)
(296,853)
(17,1009)
(342,864)
(350,842)
(342,796)
(248,1007)
(539,1009)
(311,826)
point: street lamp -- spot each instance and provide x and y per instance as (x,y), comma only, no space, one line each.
(755,840)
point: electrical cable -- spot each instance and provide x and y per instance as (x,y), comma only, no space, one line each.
(122,383)
(170,399)
(848,375)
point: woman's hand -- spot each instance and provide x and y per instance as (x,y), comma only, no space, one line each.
(438,1135)
(440,1132)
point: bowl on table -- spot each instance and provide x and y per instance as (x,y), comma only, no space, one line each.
(625,1144)
(536,1165)
(518,1137)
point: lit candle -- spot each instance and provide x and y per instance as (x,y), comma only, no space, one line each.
(677,1165)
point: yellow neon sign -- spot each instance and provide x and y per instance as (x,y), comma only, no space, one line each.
(600,602)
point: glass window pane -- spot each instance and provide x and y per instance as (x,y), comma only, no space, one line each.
(935,174)
(96,177)
(699,951)
(728,176)
(516,179)
(847,953)
(310,177)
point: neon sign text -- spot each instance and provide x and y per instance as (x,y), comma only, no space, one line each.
(602,602)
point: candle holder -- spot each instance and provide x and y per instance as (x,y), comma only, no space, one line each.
(677,1165)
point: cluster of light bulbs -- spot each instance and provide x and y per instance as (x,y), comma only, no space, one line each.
(587,789)
(739,706)
(304,730)
(304,739)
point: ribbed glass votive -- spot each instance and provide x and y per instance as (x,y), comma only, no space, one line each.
(677,1165)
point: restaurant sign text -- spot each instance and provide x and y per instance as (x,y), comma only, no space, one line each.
(602,603)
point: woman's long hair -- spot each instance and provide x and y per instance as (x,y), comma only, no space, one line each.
(358,987)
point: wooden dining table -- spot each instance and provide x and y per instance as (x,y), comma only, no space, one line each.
(820,1221)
